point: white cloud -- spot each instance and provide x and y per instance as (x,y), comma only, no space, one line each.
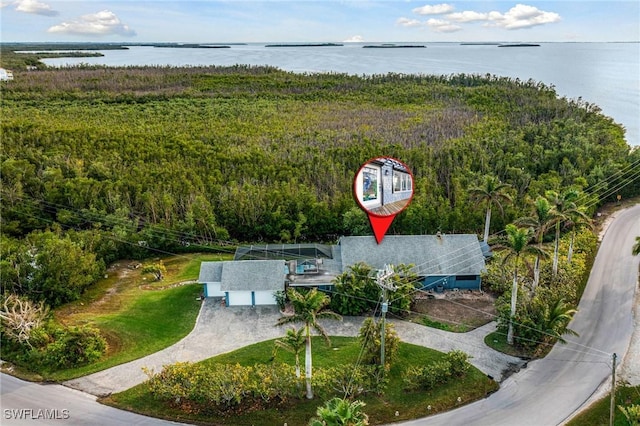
(442,26)
(354,39)
(406,22)
(468,16)
(522,16)
(32,6)
(436,9)
(101,23)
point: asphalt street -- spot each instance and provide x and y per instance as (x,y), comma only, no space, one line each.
(551,389)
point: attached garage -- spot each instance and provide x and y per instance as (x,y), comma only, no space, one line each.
(252,282)
(211,278)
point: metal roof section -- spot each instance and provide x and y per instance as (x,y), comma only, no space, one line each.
(283,251)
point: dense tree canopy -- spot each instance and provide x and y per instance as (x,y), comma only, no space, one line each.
(123,160)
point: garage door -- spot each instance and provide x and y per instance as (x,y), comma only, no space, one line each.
(239,298)
(264,298)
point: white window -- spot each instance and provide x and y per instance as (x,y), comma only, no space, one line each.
(368,186)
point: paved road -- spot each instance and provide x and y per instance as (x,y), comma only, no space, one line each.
(551,389)
(25,403)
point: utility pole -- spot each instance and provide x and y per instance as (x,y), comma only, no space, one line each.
(381,279)
(612,406)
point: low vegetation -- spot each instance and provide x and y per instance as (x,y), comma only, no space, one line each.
(133,319)
(393,404)
(626,406)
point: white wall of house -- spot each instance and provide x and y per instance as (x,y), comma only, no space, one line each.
(213,290)
(264,298)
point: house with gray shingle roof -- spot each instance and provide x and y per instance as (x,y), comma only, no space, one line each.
(443,261)
(449,260)
(244,282)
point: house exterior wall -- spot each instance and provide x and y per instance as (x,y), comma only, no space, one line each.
(466,282)
(213,290)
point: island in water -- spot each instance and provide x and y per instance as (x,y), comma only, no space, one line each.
(392,46)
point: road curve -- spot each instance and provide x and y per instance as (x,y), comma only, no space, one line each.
(26,403)
(551,389)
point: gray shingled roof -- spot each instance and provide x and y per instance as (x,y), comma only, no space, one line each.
(452,254)
(210,272)
(253,275)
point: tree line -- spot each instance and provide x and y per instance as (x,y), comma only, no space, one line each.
(128,162)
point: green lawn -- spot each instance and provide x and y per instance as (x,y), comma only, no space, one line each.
(598,413)
(381,409)
(137,321)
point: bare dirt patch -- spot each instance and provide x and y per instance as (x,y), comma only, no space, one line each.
(459,311)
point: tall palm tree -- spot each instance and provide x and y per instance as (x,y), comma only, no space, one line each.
(491,192)
(636,248)
(308,309)
(541,220)
(294,342)
(565,210)
(516,244)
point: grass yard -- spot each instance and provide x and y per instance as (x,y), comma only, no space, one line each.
(598,413)
(381,409)
(136,317)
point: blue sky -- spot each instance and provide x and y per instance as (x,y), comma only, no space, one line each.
(318,20)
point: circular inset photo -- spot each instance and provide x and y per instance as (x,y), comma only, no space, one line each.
(383,186)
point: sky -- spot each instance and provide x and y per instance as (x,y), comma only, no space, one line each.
(244,21)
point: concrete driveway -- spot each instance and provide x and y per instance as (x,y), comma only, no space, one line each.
(221,329)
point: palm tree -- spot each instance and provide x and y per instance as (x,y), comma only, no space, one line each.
(492,192)
(636,248)
(294,341)
(555,319)
(565,211)
(516,243)
(308,309)
(340,412)
(541,220)
(577,219)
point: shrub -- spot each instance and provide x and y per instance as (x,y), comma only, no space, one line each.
(73,347)
(454,364)
(222,387)
(370,337)
(348,380)
(459,363)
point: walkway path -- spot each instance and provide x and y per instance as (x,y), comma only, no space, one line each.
(222,329)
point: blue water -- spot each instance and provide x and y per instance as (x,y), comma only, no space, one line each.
(604,74)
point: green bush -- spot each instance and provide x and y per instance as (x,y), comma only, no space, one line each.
(223,387)
(348,380)
(437,373)
(54,347)
(73,347)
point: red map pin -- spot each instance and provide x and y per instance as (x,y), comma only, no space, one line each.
(383,187)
